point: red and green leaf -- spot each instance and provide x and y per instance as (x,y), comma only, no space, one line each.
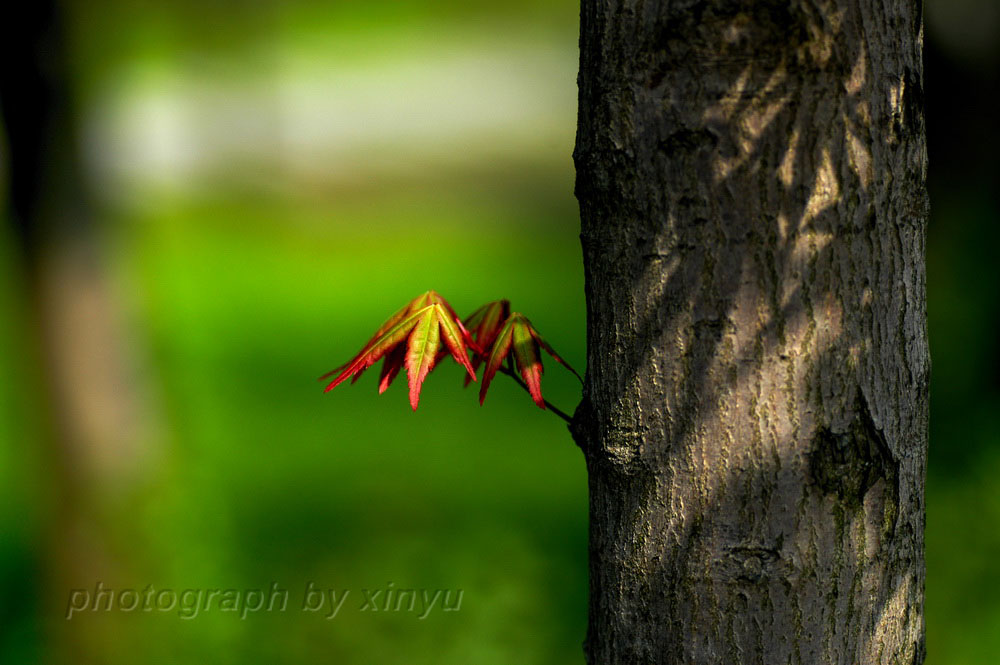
(391,365)
(436,299)
(393,320)
(526,357)
(455,337)
(421,349)
(517,335)
(555,356)
(420,324)
(484,325)
(501,347)
(378,347)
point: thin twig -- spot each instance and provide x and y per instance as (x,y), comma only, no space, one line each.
(548,405)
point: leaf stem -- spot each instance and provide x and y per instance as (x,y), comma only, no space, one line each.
(548,405)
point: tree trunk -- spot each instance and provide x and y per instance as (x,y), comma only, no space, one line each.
(751,183)
(100,423)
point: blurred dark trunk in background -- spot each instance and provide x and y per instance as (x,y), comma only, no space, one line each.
(963,90)
(74,322)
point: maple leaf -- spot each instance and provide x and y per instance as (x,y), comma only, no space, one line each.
(519,336)
(484,325)
(412,338)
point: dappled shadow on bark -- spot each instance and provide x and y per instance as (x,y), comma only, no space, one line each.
(751,185)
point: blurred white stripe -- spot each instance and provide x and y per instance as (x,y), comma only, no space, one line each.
(310,116)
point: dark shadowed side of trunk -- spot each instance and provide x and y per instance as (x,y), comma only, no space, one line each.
(751,183)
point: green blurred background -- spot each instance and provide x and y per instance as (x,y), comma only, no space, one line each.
(263,183)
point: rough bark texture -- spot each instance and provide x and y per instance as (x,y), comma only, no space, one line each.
(751,182)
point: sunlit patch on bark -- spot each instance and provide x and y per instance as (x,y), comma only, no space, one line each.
(860,157)
(825,191)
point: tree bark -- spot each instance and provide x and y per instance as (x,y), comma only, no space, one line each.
(751,183)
